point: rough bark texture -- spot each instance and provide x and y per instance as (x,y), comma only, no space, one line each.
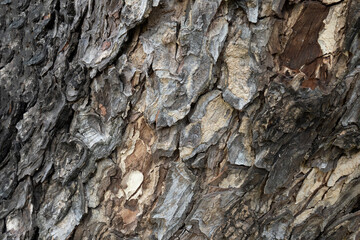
(179,119)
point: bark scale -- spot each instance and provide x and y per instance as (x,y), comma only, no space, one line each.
(179,119)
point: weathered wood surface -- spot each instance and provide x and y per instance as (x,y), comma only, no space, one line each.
(179,119)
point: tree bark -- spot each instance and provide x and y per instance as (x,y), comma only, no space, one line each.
(179,119)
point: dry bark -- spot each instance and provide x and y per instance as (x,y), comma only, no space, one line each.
(179,119)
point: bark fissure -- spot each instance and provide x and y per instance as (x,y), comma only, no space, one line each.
(179,119)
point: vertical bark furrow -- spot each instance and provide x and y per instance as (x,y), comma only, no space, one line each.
(180,119)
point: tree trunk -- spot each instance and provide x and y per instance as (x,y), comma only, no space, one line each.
(179,119)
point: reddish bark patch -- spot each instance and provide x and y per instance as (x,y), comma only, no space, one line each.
(47,16)
(310,83)
(66,46)
(302,47)
(105,45)
(128,216)
(302,51)
(102,110)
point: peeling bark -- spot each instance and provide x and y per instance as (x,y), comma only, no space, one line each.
(179,119)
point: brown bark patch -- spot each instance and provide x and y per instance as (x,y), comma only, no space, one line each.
(310,83)
(302,47)
(102,110)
